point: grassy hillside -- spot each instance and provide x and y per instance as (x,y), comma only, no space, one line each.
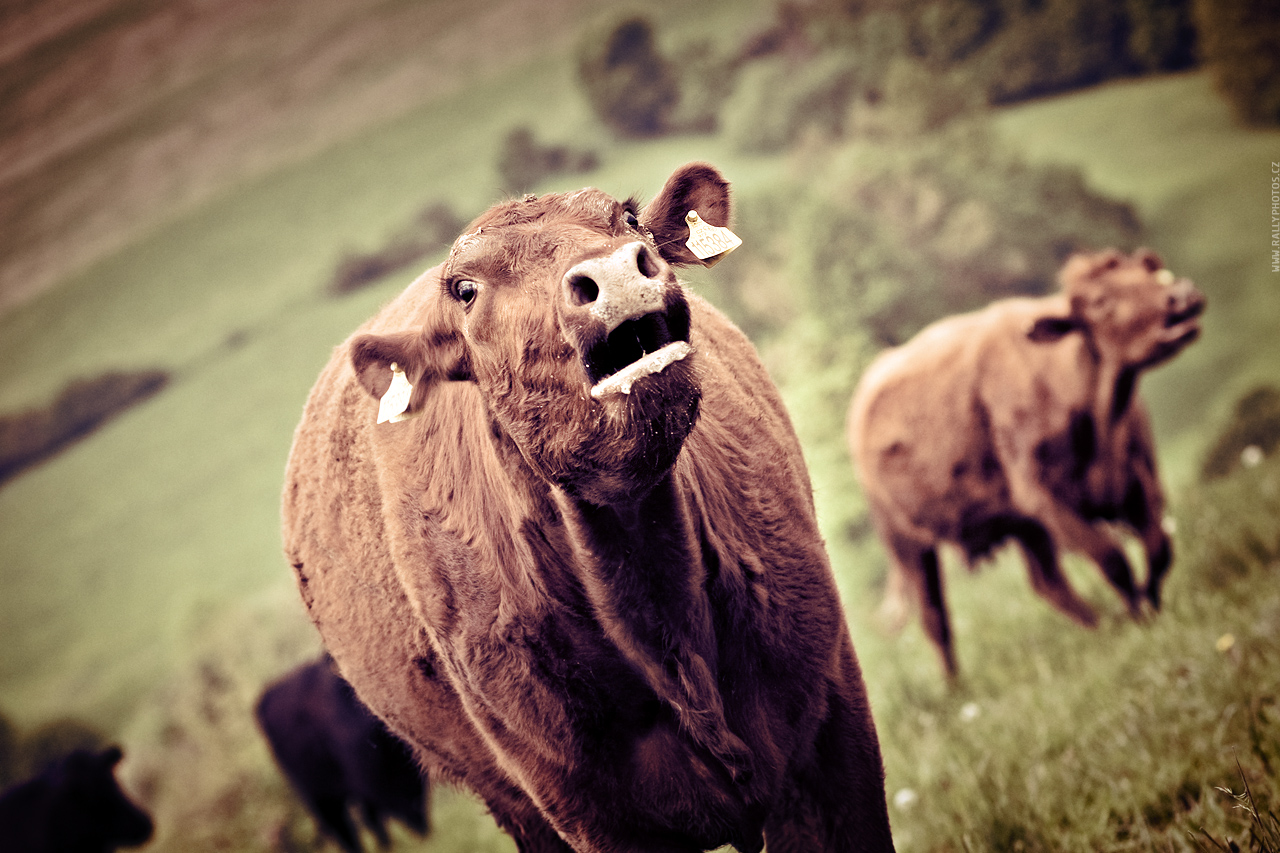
(121,114)
(144,590)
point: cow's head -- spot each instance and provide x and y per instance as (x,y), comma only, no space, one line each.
(565,312)
(1132,310)
(92,812)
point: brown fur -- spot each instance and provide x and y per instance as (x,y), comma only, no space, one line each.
(613,619)
(1020,421)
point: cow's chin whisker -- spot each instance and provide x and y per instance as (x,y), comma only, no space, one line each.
(654,362)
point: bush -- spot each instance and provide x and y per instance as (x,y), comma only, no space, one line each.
(435,228)
(705,79)
(890,236)
(1240,44)
(1009,49)
(523,162)
(1056,46)
(1254,424)
(83,406)
(949,31)
(631,87)
(778,99)
(869,86)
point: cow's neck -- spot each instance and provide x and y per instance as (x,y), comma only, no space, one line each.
(1113,384)
(644,575)
(1114,388)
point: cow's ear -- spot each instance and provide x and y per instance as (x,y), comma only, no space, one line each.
(423,359)
(1046,330)
(696,186)
(373,355)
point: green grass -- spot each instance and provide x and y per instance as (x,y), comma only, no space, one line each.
(144,588)
(1114,739)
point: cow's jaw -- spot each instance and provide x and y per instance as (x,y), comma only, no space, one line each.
(1181,327)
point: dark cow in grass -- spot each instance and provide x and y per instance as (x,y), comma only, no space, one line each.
(338,756)
(583,577)
(1021,421)
(74,805)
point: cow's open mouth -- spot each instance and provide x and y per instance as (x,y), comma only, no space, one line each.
(637,348)
(1177,318)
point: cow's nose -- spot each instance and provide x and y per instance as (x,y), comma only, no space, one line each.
(617,287)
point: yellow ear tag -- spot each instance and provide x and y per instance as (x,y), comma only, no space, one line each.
(709,243)
(394,403)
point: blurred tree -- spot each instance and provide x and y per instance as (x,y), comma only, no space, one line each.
(523,162)
(1055,45)
(631,87)
(1240,44)
(1011,49)
(1162,34)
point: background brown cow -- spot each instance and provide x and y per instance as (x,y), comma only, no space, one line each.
(584,576)
(1021,421)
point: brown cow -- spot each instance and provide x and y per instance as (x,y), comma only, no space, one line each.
(584,576)
(1021,421)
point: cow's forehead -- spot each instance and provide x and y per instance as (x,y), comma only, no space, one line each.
(589,207)
(515,228)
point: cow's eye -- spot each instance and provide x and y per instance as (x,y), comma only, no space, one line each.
(632,221)
(464,290)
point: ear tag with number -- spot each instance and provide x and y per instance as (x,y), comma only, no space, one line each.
(394,403)
(709,243)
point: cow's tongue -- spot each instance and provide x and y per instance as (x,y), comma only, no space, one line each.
(655,362)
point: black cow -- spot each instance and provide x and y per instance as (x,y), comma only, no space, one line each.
(337,754)
(73,806)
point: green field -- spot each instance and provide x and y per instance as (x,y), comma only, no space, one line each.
(144,591)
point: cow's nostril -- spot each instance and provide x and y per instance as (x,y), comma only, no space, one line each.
(583,290)
(645,263)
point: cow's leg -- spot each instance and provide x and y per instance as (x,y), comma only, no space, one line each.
(835,799)
(920,571)
(1076,533)
(1115,566)
(1159,557)
(895,609)
(376,823)
(1046,574)
(334,819)
(1143,510)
